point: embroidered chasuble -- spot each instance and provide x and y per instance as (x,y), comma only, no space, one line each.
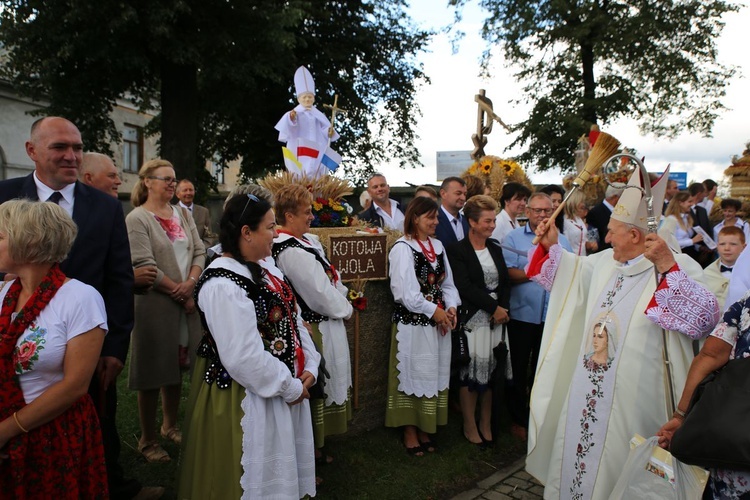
(600,376)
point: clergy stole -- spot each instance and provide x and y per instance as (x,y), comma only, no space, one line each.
(589,402)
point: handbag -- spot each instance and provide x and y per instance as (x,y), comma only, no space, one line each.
(460,346)
(714,432)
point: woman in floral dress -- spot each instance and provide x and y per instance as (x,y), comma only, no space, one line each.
(729,340)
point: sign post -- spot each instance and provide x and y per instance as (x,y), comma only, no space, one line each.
(359,258)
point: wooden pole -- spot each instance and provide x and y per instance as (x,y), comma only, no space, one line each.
(355,376)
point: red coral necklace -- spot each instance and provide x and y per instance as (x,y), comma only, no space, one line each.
(428,253)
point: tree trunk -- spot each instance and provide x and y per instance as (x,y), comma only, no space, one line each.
(588,108)
(179,118)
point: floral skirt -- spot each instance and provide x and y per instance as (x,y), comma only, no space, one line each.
(62,459)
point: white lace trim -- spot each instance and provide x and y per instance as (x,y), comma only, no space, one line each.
(546,276)
(684,306)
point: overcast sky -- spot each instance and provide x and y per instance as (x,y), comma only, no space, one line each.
(449,111)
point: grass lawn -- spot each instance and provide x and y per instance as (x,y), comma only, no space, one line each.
(371,465)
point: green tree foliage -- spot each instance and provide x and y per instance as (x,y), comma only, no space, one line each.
(219,73)
(595,61)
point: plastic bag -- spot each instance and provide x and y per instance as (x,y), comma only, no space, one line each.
(652,473)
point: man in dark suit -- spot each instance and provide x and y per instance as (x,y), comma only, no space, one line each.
(452,225)
(185,193)
(672,190)
(100,257)
(598,216)
(700,218)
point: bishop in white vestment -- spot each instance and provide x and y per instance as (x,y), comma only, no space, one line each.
(601,377)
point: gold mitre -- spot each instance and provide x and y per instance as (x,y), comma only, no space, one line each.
(631,208)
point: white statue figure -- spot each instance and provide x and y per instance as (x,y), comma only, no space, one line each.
(305,130)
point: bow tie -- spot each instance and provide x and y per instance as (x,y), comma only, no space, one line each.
(723,268)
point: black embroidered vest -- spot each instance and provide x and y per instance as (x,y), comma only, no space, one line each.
(276,321)
(307,314)
(430,280)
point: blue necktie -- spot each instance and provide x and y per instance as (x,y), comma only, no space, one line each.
(55,197)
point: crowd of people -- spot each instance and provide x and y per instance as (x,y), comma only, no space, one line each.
(258,318)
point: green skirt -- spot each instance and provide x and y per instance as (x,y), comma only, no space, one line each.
(402,409)
(328,420)
(210,460)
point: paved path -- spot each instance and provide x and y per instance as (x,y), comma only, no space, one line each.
(509,483)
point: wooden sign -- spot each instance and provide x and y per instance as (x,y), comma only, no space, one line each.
(360,256)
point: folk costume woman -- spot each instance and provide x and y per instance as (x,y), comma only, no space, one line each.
(249,431)
(51,334)
(322,297)
(425,313)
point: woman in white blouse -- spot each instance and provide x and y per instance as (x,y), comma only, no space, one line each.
(679,211)
(424,315)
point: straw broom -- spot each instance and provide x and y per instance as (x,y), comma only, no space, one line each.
(605,147)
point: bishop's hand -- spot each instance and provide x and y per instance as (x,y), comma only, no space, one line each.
(658,252)
(547,233)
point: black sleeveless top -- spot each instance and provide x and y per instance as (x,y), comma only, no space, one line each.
(307,314)
(430,280)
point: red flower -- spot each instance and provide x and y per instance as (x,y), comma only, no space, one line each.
(275,314)
(431,278)
(325,217)
(360,303)
(25,353)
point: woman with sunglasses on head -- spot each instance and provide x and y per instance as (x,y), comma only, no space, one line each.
(322,297)
(249,430)
(424,315)
(166,328)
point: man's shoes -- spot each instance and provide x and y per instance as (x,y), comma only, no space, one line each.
(149,493)
(519,432)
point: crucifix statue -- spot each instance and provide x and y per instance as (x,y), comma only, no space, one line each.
(335,110)
(485,116)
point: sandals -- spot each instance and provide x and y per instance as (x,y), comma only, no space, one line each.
(154,453)
(428,446)
(416,451)
(323,459)
(173,434)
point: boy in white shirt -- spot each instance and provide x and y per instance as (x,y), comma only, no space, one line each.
(731,242)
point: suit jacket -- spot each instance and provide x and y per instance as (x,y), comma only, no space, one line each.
(598,217)
(700,218)
(371,215)
(202,219)
(469,278)
(444,230)
(100,255)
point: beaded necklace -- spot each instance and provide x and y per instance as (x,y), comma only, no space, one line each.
(430,254)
